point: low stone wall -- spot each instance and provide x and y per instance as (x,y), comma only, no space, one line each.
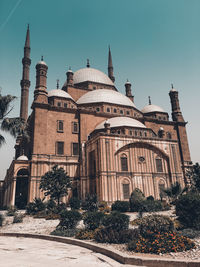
(132,260)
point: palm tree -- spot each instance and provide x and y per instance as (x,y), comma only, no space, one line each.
(173,192)
(15,126)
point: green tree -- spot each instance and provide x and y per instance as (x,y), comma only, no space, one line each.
(193,175)
(14,126)
(55,183)
(174,191)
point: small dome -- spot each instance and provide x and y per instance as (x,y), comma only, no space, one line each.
(59,93)
(106,96)
(93,75)
(41,62)
(22,157)
(152,108)
(121,121)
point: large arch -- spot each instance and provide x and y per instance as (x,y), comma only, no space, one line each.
(21,193)
(145,145)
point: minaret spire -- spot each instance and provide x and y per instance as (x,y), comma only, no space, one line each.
(25,83)
(110,66)
(27,43)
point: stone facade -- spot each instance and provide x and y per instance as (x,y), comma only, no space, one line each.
(105,144)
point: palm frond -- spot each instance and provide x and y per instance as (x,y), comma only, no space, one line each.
(15,126)
(5,105)
(2,140)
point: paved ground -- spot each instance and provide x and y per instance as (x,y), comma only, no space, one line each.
(27,252)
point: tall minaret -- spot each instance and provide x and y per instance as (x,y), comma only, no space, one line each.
(25,83)
(110,66)
(176,111)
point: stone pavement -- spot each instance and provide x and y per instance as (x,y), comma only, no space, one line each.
(27,252)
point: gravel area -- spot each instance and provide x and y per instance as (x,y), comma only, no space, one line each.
(42,226)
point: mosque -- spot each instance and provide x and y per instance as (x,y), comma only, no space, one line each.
(97,135)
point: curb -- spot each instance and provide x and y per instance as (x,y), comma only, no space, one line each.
(132,260)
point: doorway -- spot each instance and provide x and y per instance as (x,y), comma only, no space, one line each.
(21,194)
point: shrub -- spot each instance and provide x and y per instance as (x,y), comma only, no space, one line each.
(155,224)
(51,206)
(74,203)
(60,208)
(151,198)
(84,234)
(157,243)
(18,218)
(35,206)
(188,210)
(62,231)
(52,216)
(110,235)
(90,203)
(190,233)
(150,205)
(116,220)
(92,219)
(103,206)
(122,206)
(69,219)
(1,219)
(11,211)
(136,199)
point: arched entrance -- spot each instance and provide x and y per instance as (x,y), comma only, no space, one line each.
(21,194)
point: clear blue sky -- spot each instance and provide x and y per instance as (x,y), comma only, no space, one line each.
(154,43)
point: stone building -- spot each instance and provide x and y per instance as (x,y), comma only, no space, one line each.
(98,135)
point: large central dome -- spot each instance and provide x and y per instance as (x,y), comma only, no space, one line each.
(105,96)
(93,75)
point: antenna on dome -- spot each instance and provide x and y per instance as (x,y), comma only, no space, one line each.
(149,100)
(57,85)
(88,63)
(42,58)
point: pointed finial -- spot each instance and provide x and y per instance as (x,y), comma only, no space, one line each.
(57,85)
(172,85)
(42,58)
(149,100)
(27,42)
(70,68)
(88,63)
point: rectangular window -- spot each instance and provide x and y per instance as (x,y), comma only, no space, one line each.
(65,105)
(59,126)
(75,149)
(174,157)
(60,148)
(124,164)
(126,191)
(159,165)
(74,127)
(59,104)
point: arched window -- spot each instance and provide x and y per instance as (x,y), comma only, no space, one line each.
(161,186)
(126,189)
(159,166)
(124,163)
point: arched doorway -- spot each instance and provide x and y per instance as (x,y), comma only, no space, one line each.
(21,194)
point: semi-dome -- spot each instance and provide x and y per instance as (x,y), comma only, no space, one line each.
(121,121)
(93,75)
(22,157)
(152,108)
(59,93)
(105,96)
